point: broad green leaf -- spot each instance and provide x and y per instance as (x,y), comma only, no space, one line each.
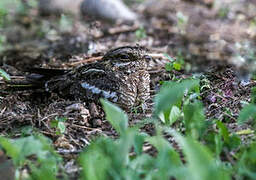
(144,164)
(139,139)
(96,160)
(10,148)
(171,93)
(168,161)
(110,159)
(201,164)
(174,114)
(38,146)
(194,119)
(117,118)
(246,113)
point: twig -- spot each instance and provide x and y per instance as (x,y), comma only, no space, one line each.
(83,127)
(89,60)
(97,58)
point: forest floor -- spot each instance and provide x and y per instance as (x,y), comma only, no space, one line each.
(207,36)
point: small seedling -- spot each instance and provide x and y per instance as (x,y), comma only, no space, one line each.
(59,124)
(4,75)
(140,33)
(177,64)
(182,21)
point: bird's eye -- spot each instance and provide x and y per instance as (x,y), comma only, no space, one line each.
(124,56)
(147,58)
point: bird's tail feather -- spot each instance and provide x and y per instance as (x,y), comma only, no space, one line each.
(35,80)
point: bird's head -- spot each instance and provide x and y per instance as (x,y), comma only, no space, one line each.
(127,54)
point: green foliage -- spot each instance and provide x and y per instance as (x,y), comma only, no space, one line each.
(114,159)
(45,162)
(171,95)
(115,116)
(249,111)
(246,166)
(124,159)
(140,33)
(201,154)
(8,10)
(200,161)
(230,141)
(59,124)
(177,64)
(11,6)
(223,12)
(194,119)
(4,75)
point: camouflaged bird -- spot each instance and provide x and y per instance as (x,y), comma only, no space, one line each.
(121,77)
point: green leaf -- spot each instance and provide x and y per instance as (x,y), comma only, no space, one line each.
(177,66)
(117,118)
(58,123)
(54,124)
(218,144)
(246,166)
(4,75)
(167,161)
(171,93)
(174,114)
(253,95)
(223,130)
(144,165)
(22,148)
(103,159)
(246,113)
(140,33)
(234,142)
(168,66)
(201,164)
(230,141)
(62,127)
(139,140)
(194,119)
(10,148)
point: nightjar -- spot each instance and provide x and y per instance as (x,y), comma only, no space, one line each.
(121,77)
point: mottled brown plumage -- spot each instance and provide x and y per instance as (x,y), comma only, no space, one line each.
(121,77)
